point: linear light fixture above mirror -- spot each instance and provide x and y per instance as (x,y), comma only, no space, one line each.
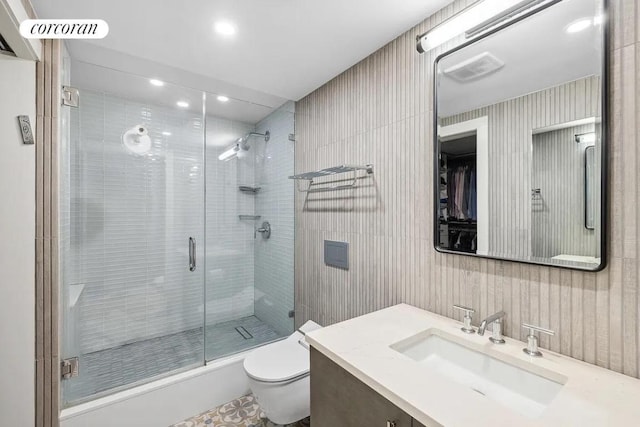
(477,19)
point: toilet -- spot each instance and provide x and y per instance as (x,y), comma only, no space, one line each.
(279,377)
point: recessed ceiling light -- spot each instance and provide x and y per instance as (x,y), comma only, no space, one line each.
(579,25)
(182,104)
(223,98)
(165,133)
(225,28)
(156,82)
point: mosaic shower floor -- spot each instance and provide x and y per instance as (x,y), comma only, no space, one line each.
(242,412)
(112,368)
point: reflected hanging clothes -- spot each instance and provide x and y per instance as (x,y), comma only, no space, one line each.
(462,195)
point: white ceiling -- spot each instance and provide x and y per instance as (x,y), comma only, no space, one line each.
(538,53)
(283,49)
(135,88)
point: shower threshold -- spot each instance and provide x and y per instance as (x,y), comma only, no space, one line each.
(110,370)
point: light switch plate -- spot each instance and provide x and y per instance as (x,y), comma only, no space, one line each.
(336,254)
(25,128)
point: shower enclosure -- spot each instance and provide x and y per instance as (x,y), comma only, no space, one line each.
(162,267)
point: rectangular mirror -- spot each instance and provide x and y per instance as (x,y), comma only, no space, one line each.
(520,149)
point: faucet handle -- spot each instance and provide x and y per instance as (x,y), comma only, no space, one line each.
(533,328)
(463,308)
(532,341)
(468,315)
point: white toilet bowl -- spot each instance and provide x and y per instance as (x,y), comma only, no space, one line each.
(279,377)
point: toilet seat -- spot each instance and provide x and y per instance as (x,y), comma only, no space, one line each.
(281,361)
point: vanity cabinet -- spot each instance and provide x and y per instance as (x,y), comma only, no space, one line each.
(340,399)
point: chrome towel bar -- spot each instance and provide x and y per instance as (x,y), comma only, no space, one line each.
(336,170)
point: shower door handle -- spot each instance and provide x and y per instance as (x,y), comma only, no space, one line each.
(192,254)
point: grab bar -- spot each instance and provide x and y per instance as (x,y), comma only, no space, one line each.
(192,254)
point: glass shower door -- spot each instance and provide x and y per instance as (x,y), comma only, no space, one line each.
(132,232)
(249,277)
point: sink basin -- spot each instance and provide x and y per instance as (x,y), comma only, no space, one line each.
(508,381)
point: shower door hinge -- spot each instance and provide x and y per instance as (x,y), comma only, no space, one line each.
(69,368)
(291,314)
(70,96)
(292,137)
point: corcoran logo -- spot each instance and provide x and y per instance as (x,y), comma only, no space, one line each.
(64,29)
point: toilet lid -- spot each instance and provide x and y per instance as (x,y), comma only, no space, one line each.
(277,362)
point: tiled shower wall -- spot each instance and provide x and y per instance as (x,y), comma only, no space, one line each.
(230,248)
(380,112)
(274,256)
(247,275)
(127,243)
(123,219)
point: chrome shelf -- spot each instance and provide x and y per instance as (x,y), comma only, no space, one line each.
(336,170)
(249,217)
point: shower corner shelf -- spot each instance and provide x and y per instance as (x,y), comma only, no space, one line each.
(249,189)
(336,170)
(249,217)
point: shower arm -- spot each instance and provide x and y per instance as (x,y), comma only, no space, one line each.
(266,135)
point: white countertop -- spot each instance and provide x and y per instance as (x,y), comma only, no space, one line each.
(592,396)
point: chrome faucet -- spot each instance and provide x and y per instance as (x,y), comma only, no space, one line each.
(496,319)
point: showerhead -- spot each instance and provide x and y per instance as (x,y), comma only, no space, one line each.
(137,140)
(243,142)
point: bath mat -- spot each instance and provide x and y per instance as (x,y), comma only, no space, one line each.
(241,412)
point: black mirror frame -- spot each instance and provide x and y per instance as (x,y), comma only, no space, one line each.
(604,184)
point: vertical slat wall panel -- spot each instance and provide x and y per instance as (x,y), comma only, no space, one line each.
(56,82)
(47,358)
(40,241)
(28,7)
(380,111)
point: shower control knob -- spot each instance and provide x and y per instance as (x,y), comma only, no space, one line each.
(265,229)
